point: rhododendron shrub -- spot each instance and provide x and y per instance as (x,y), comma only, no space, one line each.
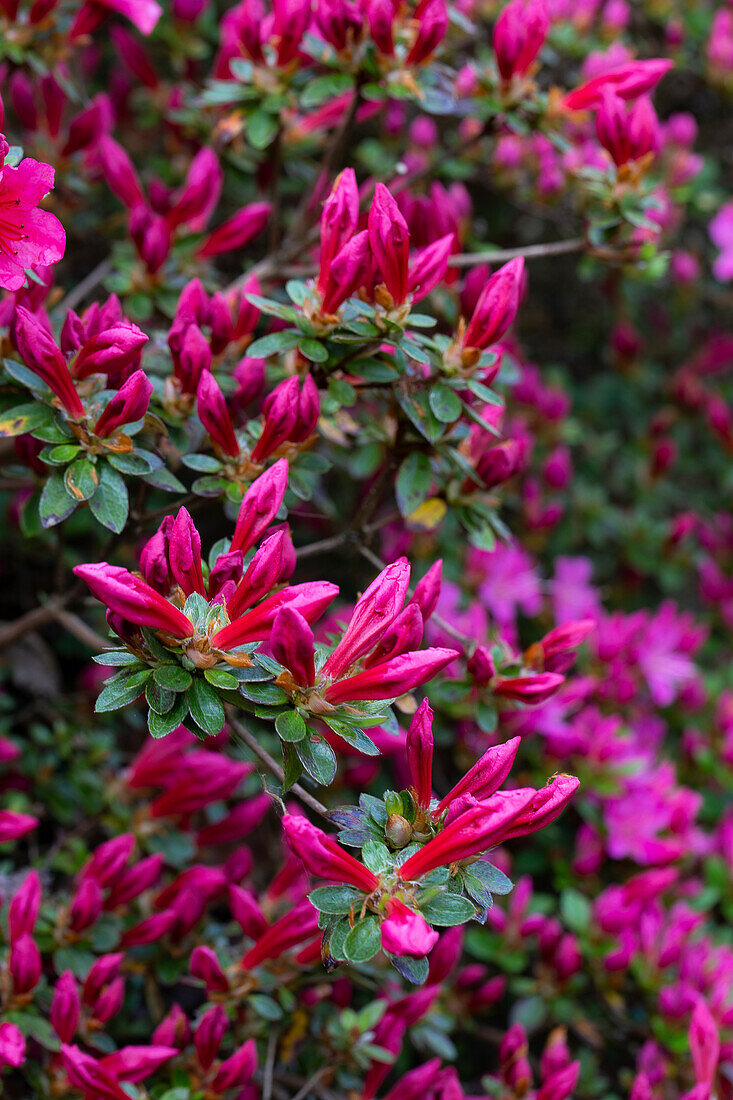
(366,718)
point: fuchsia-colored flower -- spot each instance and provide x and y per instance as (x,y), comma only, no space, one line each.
(12,1046)
(41,354)
(405,932)
(129,404)
(496,307)
(628,81)
(14,825)
(290,415)
(519,35)
(626,133)
(29,235)
(133,599)
(322,856)
(143,14)
(237,231)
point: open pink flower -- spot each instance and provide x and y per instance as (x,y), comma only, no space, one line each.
(28,235)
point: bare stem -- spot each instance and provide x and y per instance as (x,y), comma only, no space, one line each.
(530,252)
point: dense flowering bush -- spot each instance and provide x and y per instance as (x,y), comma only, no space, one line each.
(366,718)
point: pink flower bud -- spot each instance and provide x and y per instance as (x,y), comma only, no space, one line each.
(561,1084)
(300,924)
(109,859)
(206,967)
(431,17)
(339,220)
(151,236)
(237,1070)
(88,1075)
(486,775)
(14,825)
(393,678)
(12,1046)
(134,1064)
(291,642)
(128,405)
(103,971)
(497,464)
(349,270)
(389,238)
(406,932)
(119,173)
(519,35)
(130,50)
(134,599)
(237,232)
(209,1034)
(427,590)
(545,805)
(704,1041)
(373,613)
(110,350)
(428,267)
(24,964)
(419,747)
(109,1001)
(65,1007)
(516,1071)
(209,779)
(150,930)
(260,505)
(194,204)
(24,907)
(134,881)
(184,554)
(193,361)
(87,127)
(322,856)
(86,905)
(559,644)
(402,635)
(626,134)
(263,573)
(381,14)
(173,1030)
(632,79)
(246,912)
(310,599)
(496,308)
(249,375)
(41,354)
(480,666)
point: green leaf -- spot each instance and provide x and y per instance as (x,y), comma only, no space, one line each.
(313,350)
(220,678)
(157,698)
(363,941)
(318,759)
(575,910)
(22,419)
(205,706)
(55,504)
(413,482)
(414,970)
(172,678)
(448,909)
(326,87)
(335,899)
(121,692)
(376,856)
(292,767)
(81,479)
(446,404)
(261,129)
(417,408)
(495,881)
(110,504)
(265,1006)
(265,693)
(160,725)
(116,657)
(205,464)
(165,480)
(274,343)
(290,726)
(136,463)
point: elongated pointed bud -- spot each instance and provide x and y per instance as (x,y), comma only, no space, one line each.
(24,907)
(14,825)
(24,964)
(197,198)
(480,666)
(184,553)
(310,599)
(403,635)
(129,404)
(246,912)
(339,220)
(704,1039)
(389,238)
(349,270)
(559,645)
(324,857)
(237,232)
(419,747)
(226,574)
(486,775)
(41,354)
(373,613)
(154,564)
(110,351)
(193,361)
(629,80)
(497,464)
(119,172)
(208,1035)
(86,905)
(133,599)
(263,573)
(260,505)
(427,590)
(626,133)
(291,642)
(428,267)
(381,14)
(431,17)
(281,415)
(546,804)
(12,1046)
(236,1070)
(134,881)
(86,127)
(66,1007)
(214,415)
(530,690)
(206,967)
(519,35)
(391,679)
(496,308)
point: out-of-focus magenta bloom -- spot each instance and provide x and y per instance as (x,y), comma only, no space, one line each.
(29,235)
(519,35)
(237,231)
(143,14)
(295,927)
(628,81)
(626,133)
(12,1046)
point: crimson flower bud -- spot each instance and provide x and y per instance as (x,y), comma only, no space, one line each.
(110,351)
(429,266)
(154,564)
(260,505)
(128,405)
(41,354)
(86,905)
(119,172)
(151,236)
(324,857)
(380,14)
(209,1034)
(133,599)
(24,964)
(529,689)
(237,232)
(626,133)
(402,635)
(173,1030)
(291,642)
(373,613)
(220,322)
(516,1071)
(349,270)
(184,554)
(419,746)
(431,17)
(195,201)
(392,678)
(339,220)
(496,308)
(134,881)
(629,80)
(65,1007)
(237,1070)
(389,239)
(24,907)
(15,825)
(497,465)
(480,666)
(12,1046)
(205,965)
(101,973)
(427,590)
(405,932)
(519,34)
(109,859)
(129,49)
(86,128)
(194,359)
(109,1001)
(214,415)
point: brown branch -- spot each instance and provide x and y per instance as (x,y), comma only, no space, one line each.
(270,1065)
(38,616)
(272,765)
(87,284)
(79,629)
(530,252)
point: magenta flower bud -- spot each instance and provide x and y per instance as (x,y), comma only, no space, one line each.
(427,590)
(109,859)
(89,1076)
(380,15)
(626,133)
(559,644)
(128,405)
(206,967)
(134,599)
(486,775)
(188,11)
(419,1082)
(496,308)
(349,270)
(632,79)
(704,1038)
(184,554)
(226,574)
(24,964)
(134,881)
(118,171)
(209,1034)
(110,351)
(134,1064)
(214,415)
(300,924)
(237,824)
(129,49)
(103,971)
(291,19)
(53,103)
(402,635)
(212,780)
(173,1030)
(154,564)
(546,804)
(431,17)
(193,361)
(87,127)
(405,932)
(480,666)
(15,825)
(249,375)
(389,239)
(23,100)
(291,642)
(373,613)
(65,1007)
(220,322)
(86,905)
(310,599)
(237,232)
(419,746)
(246,912)
(339,220)
(109,1001)
(529,690)
(393,678)
(194,203)
(516,1071)
(150,930)
(24,907)
(339,21)
(497,464)
(281,416)
(519,35)
(260,505)
(237,1070)
(429,266)
(322,856)
(309,409)
(151,236)
(263,573)
(12,1046)
(41,354)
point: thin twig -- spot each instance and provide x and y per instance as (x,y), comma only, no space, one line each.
(38,616)
(272,764)
(270,1065)
(88,283)
(530,252)
(312,1080)
(79,629)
